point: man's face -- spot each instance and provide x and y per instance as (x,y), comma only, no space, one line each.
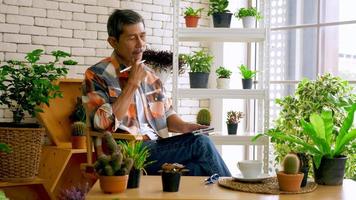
(132,42)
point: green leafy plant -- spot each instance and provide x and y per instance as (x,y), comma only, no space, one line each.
(78,113)
(218,6)
(323,138)
(116,162)
(248,12)
(189,11)
(24,86)
(137,152)
(291,164)
(326,92)
(5,148)
(247,73)
(199,61)
(204,117)
(233,117)
(222,72)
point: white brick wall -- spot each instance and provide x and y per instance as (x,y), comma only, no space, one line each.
(79,27)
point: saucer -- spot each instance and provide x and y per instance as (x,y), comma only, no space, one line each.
(260,178)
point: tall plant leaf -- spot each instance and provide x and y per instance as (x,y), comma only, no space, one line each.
(327,117)
(350,136)
(346,125)
(319,142)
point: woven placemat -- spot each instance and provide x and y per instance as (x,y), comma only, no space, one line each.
(267,186)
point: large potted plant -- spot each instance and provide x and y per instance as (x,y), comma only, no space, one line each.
(200,64)
(113,167)
(192,16)
(247,75)
(248,16)
(139,154)
(333,93)
(24,87)
(162,63)
(223,80)
(221,15)
(232,121)
(325,143)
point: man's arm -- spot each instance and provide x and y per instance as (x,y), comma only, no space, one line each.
(176,124)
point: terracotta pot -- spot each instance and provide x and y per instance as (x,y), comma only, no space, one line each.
(113,184)
(289,182)
(79,142)
(191,21)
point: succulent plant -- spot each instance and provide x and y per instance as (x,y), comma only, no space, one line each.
(204,117)
(173,168)
(116,162)
(291,164)
(233,117)
(78,128)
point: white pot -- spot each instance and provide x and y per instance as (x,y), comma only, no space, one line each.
(248,22)
(223,83)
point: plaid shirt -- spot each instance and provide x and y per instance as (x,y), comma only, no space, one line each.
(103,85)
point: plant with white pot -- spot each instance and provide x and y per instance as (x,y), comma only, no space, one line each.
(248,16)
(223,80)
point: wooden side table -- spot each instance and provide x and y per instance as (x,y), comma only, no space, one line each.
(28,190)
(194,188)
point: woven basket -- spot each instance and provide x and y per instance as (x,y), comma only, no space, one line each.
(23,162)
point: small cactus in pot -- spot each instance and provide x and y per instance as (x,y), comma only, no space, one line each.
(290,179)
(78,135)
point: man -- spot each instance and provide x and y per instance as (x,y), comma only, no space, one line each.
(124,94)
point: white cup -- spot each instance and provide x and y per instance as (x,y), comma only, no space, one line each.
(250,168)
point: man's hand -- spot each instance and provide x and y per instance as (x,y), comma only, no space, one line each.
(137,73)
(190,127)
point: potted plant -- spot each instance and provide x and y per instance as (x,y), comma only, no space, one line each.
(113,168)
(78,135)
(325,143)
(171,173)
(24,87)
(223,80)
(232,121)
(290,178)
(248,16)
(192,16)
(200,64)
(304,167)
(204,117)
(161,63)
(221,16)
(139,154)
(333,93)
(247,76)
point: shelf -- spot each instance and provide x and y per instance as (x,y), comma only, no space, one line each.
(222,93)
(31,190)
(238,140)
(222,34)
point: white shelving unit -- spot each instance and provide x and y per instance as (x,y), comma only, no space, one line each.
(260,94)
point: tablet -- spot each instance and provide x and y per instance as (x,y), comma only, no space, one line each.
(205,131)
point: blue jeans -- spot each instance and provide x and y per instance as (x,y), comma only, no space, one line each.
(196,152)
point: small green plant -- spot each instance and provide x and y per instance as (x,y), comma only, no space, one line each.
(291,164)
(233,117)
(78,128)
(200,61)
(222,72)
(24,86)
(218,6)
(138,153)
(78,113)
(204,117)
(248,12)
(189,11)
(247,73)
(5,148)
(116,163)
(173,168)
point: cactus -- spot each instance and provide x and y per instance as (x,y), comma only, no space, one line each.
(78,128)
(291,164)
(116,163)
(204,117)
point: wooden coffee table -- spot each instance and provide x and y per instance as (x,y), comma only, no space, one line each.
(194,188)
